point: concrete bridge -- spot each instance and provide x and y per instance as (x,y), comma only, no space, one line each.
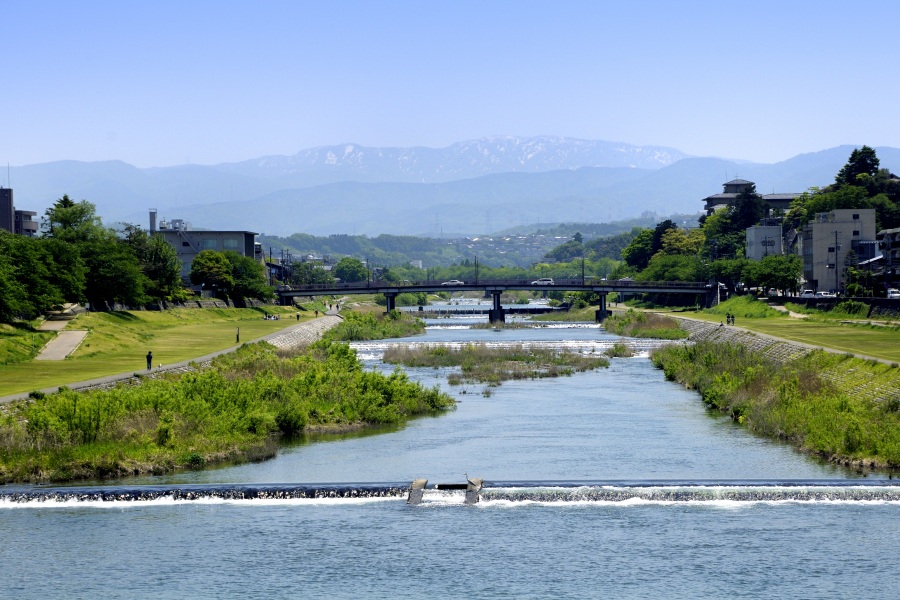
(496,287)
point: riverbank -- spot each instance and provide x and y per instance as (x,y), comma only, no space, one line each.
(836,406)
(236,408)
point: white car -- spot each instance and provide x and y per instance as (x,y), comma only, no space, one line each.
(807,294)
(893,294)
(543,281)
(454,282)
(825,295)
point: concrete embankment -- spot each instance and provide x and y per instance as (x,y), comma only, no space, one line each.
(879,385)
(292,337)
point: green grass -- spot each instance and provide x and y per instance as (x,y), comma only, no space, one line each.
(574,315)
(20,343)
(641,324)
(486,364)
(745,307)
(235,410)
(834,333)
(836,406)
(118,343)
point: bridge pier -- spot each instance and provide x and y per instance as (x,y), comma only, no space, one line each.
(601,314)
(391,298)
(496,314)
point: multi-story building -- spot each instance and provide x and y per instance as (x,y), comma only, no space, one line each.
(764,240)
(736,187)
(889,246)
(15,221)
(188,242)
(7,210)
(831,241)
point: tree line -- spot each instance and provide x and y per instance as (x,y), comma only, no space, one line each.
(76,259)
(716,248)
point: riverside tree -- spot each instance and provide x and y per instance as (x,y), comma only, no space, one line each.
(112,270)
(350,269)
(211,270)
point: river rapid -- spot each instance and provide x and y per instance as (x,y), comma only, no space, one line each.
(613,483)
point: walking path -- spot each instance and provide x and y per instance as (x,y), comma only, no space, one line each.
(879,388)
(296,335)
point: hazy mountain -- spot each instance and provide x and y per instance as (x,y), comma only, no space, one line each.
(463,160)
(472,187)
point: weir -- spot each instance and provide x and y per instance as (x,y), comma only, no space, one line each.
(476,490)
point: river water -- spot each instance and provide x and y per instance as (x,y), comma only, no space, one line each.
(614,483)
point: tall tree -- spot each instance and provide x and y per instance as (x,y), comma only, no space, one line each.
(211,270)
(350,269)
(159,262)
(863,161)
(249,277)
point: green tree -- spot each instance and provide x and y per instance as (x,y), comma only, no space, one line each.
(158,260)
(747,209)
(350,270)
(862,162)
(249,277)
(32,266)
(307,273)
(639,252)
(212,271)
(774,271)
(112,271)
(13,295)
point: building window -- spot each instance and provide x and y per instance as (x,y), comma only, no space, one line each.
(856,216)
(855,232)
(185,244)
(230,244)
(210,244)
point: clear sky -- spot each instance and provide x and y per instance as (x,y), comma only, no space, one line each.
(166,82)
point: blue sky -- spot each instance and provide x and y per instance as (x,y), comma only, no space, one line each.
(173,82)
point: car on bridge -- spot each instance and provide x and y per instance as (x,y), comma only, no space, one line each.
(543,281)
(454,282)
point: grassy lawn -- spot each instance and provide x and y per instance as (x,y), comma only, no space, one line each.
(861,339)
(118,343)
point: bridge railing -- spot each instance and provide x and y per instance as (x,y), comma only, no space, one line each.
(619,284)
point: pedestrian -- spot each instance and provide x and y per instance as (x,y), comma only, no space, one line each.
(298,316)
(317,314)
(149,360)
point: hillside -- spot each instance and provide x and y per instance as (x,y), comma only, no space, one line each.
(471,188)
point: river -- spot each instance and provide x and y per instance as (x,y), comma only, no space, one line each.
(613,483)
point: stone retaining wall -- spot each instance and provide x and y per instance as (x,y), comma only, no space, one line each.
(882,387)
(777,350)
(301,335)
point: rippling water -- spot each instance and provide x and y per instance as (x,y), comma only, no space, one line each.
(610,483)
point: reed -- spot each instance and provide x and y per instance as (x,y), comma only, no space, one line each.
(493,365)
(235,410)
(640,324)
(809,401)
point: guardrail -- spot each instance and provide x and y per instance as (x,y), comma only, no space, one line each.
(569,284)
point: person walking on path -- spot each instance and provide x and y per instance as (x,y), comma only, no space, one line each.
(149,360)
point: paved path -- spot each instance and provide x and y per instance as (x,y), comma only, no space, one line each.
(62,345)
(295,335)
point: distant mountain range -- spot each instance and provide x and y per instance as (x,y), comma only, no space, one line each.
(474,187)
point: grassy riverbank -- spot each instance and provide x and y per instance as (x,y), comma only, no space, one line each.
(809,402)
(640,324)
(859,337)
(373,324)
(487,364)
(234,411)
(117,342)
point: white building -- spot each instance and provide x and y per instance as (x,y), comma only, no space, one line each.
(828,241)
